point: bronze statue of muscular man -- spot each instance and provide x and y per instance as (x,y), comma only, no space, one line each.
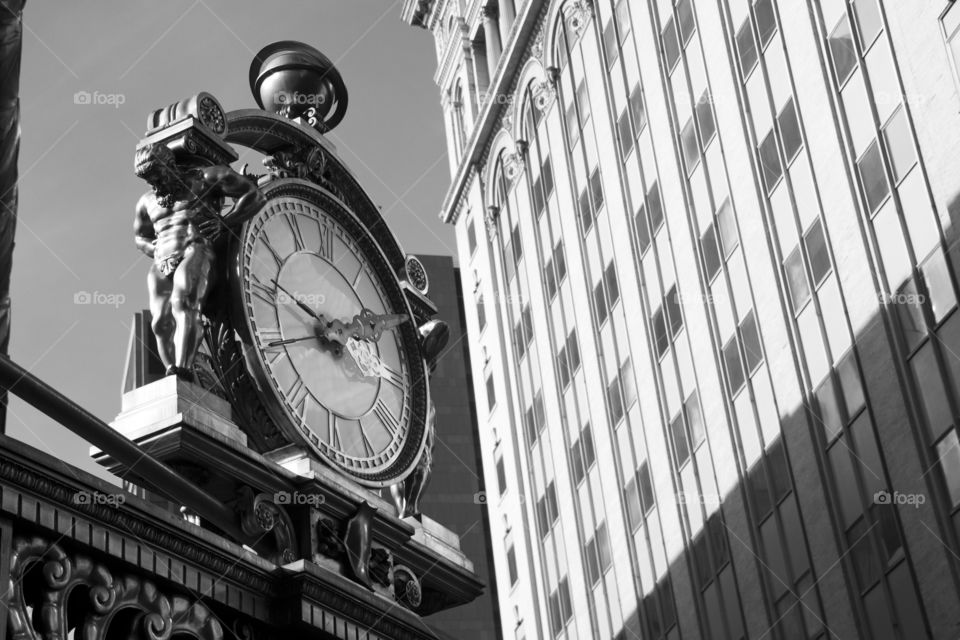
(177,224)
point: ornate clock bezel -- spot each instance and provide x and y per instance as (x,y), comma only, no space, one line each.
(416,436)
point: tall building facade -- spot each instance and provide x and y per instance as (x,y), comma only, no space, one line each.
(708,250)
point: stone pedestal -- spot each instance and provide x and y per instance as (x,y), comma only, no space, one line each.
(304,518)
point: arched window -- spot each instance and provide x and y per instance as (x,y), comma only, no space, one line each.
(459,125)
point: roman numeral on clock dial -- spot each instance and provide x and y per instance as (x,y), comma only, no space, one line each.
(297,396)
(265,240)
(392,376)
(386,417)
(298,242)
(262,291)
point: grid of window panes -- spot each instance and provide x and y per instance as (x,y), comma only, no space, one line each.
(732,316)
(920,278)
(561,331)
(582,160)
(872,532)
(518,195)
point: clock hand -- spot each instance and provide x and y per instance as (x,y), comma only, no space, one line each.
(277,343)
(366,326)
(299,303)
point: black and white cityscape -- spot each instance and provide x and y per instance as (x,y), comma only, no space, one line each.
(480,320)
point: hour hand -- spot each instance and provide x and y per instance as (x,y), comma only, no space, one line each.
(366,326)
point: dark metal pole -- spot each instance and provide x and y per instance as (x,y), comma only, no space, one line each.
(11,39)
(155,475)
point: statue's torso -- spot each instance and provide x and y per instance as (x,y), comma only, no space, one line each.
(188,221)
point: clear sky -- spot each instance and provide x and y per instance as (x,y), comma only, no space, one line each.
(78,190)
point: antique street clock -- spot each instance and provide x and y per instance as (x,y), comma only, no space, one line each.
(297,343)
(327,315)
(329,333)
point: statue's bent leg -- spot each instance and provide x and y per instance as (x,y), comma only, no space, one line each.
(191,284)
(162,323)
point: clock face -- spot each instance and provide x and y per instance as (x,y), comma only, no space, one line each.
(357,402)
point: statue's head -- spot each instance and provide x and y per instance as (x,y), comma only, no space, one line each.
(155,163)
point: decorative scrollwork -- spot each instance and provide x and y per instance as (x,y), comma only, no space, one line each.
(380,565)
(406,587)
(211,114)
(329,543)
(543,95)
(512,165)
(228,376)
(155,615)
(259,515)
(306,163)
(577,15)
(536,50)
(490,221)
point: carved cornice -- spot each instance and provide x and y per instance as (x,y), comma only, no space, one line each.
(531,19)
(151,532)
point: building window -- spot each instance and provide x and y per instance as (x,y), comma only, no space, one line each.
(615,400)
(611,47)
(746,49)
(597,552)
(766,22)
(645,487)
(519,341)
(583,103)
(636,108)
(563,368)
(596,190)
(582,455)
(660,332)
(586,213)
(671,46)
(691,148)
(842,52)
(501,475)
(686,20)
(625,133)
(790,131)
(951,32)
(770,162)
(873,177)
(681,447)
(599,302)
(674,315)
(899,143)
(559,262)
(643,231)
(573,351)
(816,245)
(708,126)
(731,358)
(728,228)
(655,204)
(481,313)
(547,511)
(530,423)
(606,293)
(631,497)
(797,280)
(711,253)
(491,393)
(471,237)
(512,564)
(527,320)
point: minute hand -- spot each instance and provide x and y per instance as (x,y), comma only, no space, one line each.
(366,326)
